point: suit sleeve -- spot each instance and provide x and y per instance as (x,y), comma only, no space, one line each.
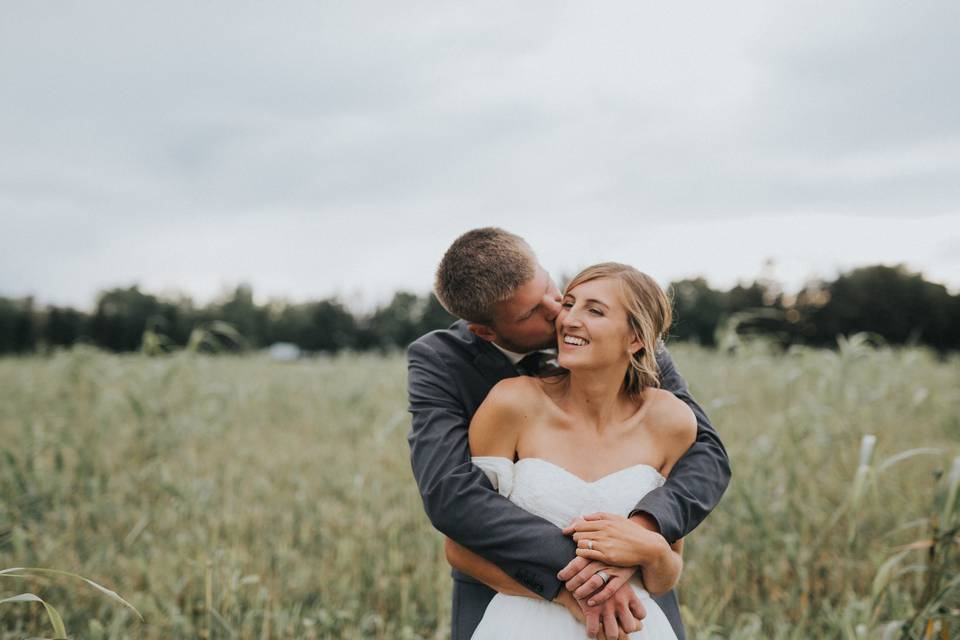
(457,496)
(698,479)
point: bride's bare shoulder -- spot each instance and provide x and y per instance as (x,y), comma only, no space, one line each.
(520,395)
(670,417)
(498,422)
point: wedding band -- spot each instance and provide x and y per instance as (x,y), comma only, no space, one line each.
(604,576)
(590,545)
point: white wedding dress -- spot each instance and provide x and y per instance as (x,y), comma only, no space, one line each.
(557,495)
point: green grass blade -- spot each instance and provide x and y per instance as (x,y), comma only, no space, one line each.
(26,571)
(59,630)
(906,455)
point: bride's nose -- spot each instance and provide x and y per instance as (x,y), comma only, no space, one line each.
(571,319)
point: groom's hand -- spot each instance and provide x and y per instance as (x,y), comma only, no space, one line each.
(585,583)
(620,615)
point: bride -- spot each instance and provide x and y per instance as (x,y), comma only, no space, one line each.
(576,448)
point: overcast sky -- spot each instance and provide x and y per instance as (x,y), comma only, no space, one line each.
(324,148)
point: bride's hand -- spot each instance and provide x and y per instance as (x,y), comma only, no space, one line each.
(616,540)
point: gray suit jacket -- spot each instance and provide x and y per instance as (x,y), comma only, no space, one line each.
(450,373)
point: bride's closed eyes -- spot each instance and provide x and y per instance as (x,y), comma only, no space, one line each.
(568,304)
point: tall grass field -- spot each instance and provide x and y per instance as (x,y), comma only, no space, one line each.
(236,497)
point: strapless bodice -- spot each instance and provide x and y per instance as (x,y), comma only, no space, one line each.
(559,496)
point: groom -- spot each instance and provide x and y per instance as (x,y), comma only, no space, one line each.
(507,303)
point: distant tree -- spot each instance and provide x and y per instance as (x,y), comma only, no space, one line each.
(434,316)
(892,302)
(697,309)
(330,327)
(757,309)
(121,317)
(286,322)
(18,330)
(64,326)
(241,312)
(398,323)
(742,298)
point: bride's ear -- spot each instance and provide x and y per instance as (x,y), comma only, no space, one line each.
(636,344)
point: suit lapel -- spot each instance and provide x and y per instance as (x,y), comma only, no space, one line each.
(489,361)
(493,364)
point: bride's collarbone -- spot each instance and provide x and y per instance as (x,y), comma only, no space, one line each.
(592,452)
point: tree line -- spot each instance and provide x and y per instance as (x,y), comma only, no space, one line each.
(894,304)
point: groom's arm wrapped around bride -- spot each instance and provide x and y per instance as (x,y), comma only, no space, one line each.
(449,377)
(446,384)
(698,480)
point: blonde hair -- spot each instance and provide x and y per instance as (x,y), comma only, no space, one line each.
(482,267)
(649,315)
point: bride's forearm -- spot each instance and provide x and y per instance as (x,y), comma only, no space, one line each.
(662,572)
(476,566)
(660,563)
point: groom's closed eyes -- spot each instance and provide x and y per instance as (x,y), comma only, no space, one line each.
(529,314)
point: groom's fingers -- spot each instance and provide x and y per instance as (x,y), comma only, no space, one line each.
(593,622)
(573,567)
(613,585)
(610,627)
(638,610)
(593,584)
(583,576)
(588,571)
(628,623)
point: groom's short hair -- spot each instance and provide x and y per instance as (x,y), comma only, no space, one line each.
(482,267)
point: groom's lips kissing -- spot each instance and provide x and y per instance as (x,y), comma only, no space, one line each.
(571,341)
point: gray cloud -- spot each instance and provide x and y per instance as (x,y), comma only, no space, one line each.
(378,123)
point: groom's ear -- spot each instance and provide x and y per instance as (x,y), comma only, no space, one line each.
(482,331)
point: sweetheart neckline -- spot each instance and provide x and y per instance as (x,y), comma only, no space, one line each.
(573,475)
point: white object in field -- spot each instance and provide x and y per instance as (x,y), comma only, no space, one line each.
(284,351)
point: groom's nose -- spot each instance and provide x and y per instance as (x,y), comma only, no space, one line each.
(551,307)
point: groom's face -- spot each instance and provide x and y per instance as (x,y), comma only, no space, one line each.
(525,321)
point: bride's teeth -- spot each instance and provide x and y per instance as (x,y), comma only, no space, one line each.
(574,341)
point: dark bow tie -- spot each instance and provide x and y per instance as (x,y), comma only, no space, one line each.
(539,363)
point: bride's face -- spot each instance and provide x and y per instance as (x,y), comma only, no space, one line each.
(592,327)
